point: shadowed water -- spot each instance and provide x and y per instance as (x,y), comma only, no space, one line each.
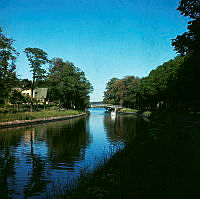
(36,160)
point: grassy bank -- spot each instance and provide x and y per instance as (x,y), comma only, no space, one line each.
(7,117)
(128,110)
(25,108)
(162,161)
(135,111)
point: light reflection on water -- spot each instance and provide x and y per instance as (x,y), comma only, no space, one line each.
(35,159)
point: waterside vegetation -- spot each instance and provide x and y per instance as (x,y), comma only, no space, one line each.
(135,111)
(173,85)
(67,86)
(7,117)
(128,110)
(158,162)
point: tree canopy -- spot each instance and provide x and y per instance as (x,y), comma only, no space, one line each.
(8,56)
(37,58)
(172,85)
(189,42)
(190,8)
(68,84)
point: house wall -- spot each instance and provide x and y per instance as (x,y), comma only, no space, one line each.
(39,93)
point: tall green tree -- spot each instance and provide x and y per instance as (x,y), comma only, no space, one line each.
(25,84)
(121,91)
(68,85)
(37,58)
(16,98)
(110,94)
(127,92)
(8,56)
(164,86)
(175,83)
(189,42)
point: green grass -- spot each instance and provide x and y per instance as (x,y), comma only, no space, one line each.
(146,113)
(25,108)
(6,117)
(128,110)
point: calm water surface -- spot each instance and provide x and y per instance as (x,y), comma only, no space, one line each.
(34,161)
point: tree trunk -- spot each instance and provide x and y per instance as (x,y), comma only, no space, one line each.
(32,89)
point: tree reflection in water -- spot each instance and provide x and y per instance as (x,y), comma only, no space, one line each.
(121,127)
(8,144)
(38,180)
(29,156)
(36,159)
(68,144)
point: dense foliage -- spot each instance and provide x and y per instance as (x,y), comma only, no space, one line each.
(121,91)
(36,57)
(68,85)
(189,42)
(8,56)
(174,84)
(162,87)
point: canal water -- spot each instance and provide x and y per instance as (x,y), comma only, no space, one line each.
(38,161)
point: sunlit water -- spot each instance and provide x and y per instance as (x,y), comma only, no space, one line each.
(36,161)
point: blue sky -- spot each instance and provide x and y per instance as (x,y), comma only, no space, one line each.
(104,38)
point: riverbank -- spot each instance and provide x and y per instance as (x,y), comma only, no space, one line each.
(162,161)
(136,112)
(30,118)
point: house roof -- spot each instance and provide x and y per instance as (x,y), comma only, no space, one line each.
(40,93)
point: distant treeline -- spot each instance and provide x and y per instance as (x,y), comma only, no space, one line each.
(173,85)
(67,85)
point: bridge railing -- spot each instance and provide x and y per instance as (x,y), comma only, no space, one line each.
(105,106)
